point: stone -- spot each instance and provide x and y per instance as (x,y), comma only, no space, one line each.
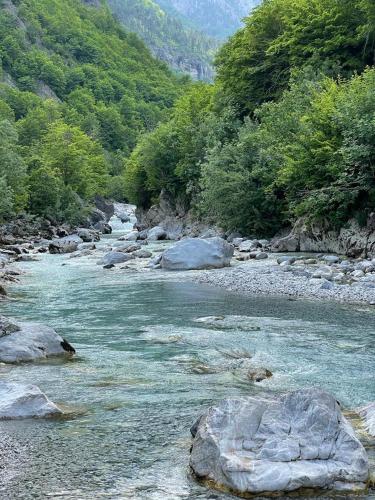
(103,227)
(287,244)
(142,254)
(368,415)
(357,274)
(156,233)
(236,242)
(132,236)
(288,260)
(298,440)
(234,236)
(115,258)
(331,259)
(155,262)
(88,236)
(24,341)
(24,401)
(126,246)
(248,245)
(196,253)
(259,374)
(86,246)
(67,244)
(261,256)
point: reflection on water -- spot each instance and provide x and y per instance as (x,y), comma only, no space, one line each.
(134,390)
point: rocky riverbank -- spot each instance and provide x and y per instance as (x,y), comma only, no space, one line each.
(299,276)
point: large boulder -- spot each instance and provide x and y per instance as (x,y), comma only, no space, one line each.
(196,253)
(24,401)
(68,244)
(20,342)
(156,233)
(87,235)
(112,258)
(299,440)
(103,227)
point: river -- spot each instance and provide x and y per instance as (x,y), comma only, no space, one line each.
(137,383)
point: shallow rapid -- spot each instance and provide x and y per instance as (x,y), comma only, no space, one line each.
(145,369)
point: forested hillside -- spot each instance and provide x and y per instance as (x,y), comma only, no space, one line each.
(77,92)
(217,18)
(182,47)
(286,131)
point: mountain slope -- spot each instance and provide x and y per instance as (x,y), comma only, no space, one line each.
(181,47)
(217,18)
(77,93)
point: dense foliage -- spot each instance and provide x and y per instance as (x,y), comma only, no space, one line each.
(77,93)
(286,131)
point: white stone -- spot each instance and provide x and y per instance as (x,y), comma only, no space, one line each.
(24,401)
(299,440)
(112,258)
(20,342)
(197,253)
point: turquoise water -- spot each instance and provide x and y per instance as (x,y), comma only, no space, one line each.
(137,383)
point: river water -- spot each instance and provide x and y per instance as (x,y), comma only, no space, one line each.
(145,370)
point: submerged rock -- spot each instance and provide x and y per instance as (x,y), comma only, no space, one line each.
(259,374)
(21,342)
(299,440)
(197,253)
(24,401)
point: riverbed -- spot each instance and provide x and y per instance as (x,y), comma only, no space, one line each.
(146,369)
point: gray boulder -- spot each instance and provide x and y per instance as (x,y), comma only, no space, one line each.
(132,236)
(299,440)
(24,401)
(142,254)
(248,245)
(156,233)
(88,236)
(20,342)
(103,227)
(115,258)
(67,244)
(196,253)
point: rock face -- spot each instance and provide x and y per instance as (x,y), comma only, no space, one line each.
(300,440)
(173,216)
(24,401)
(352,240)
(20,342)
(196,253)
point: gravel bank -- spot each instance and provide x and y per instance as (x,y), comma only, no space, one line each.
(268,278)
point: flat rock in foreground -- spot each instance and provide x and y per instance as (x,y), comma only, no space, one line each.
(20,342)
(300,440)
(198,253)
(24,401)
